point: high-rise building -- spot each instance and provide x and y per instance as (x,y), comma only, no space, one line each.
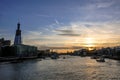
(4,43)
(17,39)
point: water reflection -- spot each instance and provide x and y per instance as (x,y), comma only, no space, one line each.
(72,68)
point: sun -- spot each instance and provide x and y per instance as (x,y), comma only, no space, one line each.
(89,42)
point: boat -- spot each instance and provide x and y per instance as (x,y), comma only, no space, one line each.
(94,57)
(54,56)
(100,59)
(64,57)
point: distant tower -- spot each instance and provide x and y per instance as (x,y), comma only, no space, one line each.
(18,35)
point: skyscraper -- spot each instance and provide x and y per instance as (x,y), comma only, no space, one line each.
(17,39)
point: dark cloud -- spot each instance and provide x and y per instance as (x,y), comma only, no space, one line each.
(88,25)
(67,33)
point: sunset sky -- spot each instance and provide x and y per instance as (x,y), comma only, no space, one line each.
(62,23)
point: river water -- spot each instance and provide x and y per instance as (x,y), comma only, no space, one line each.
(71,68)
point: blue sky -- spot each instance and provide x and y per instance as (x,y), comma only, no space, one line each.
(62,22)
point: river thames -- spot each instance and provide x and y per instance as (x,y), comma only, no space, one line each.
(70,68)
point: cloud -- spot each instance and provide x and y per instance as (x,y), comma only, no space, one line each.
(67,33)
(35,32)
(32,34)
(104,4)
(101,32)
(56,21)
(4,34)
(75,33)
(101,10)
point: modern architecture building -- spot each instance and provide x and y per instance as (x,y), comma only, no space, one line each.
(17,39)
(22,50)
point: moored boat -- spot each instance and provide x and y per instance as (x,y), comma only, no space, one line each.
(100,59)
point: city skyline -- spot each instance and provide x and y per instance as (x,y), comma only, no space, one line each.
(62,23)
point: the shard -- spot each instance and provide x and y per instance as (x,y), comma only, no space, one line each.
(17,39)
